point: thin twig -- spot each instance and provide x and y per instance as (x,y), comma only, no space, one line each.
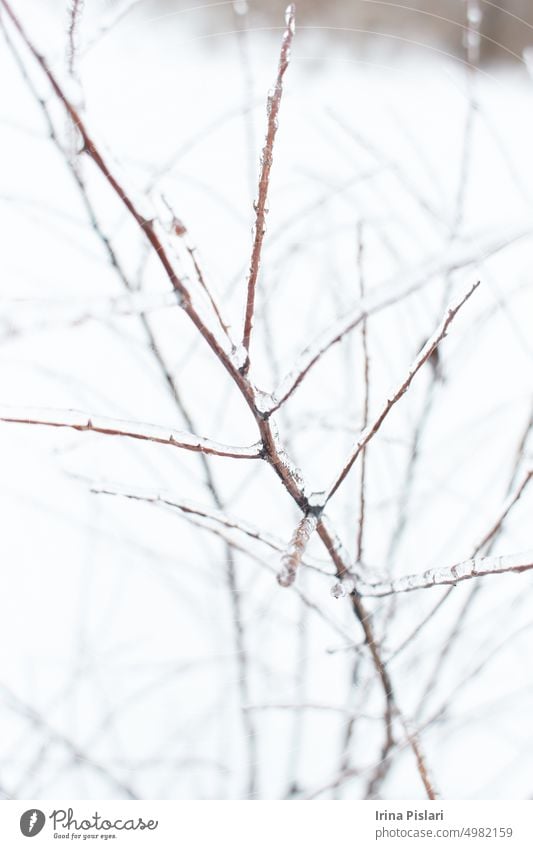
(451,575)
(422,358)
(273,450)
(366,402)
(273,105)
(75,12)
(181,231)
(487,543)
(145,224)
(386,295)
(77,420)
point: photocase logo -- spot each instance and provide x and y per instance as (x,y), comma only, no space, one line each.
(32,822)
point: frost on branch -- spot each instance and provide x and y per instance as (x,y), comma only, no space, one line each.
(475,568)
(293,556)
(76,420)
(260,206)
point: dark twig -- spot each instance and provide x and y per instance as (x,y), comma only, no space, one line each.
(112,427)
(423,357)
(273,105)
(475,568)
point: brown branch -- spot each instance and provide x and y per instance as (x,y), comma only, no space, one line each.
(383,297)
(273,105)
(146,225)
(273,451)
(79,421)
(422,358)
(451,575)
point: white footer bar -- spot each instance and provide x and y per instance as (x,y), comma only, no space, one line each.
(267,825)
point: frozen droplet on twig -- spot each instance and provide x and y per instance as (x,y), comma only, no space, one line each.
(285,577)
(338,590)
(344,587)
(289,18)
(263,401)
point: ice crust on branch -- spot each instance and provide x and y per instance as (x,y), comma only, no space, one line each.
(260,205)
(478,567)
(380,298)
(403,386)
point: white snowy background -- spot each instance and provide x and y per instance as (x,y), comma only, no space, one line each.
(120,671)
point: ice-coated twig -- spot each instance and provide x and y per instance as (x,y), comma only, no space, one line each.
(272,451)
(422,358)
(381,298)
(273,104)
(181,231)
(218,517)
(77,420)
(216,342)
(296,549)
(477,567)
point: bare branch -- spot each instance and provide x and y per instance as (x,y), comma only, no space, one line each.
(76,753)
(383,297)
(273,104)
(115,427)
(422,358)
(474,568)
(182,232)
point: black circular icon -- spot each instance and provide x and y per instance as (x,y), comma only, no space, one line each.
(32,822)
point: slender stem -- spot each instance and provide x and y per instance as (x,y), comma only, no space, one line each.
(111,427)
(423,357)
(273,105)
